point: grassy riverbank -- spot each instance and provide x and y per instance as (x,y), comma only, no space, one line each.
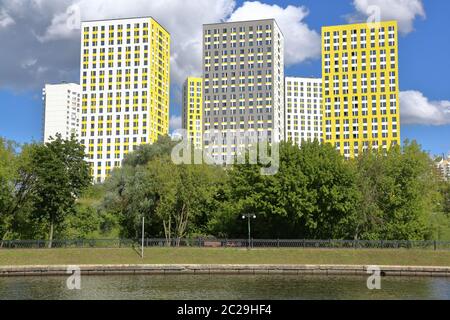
(224,256)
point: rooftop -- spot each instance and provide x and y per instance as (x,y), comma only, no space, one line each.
(244,21)
(358,24)
(127,18)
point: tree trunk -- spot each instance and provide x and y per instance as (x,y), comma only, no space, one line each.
(168,231)
(4,238)
(181,223)
(50,238)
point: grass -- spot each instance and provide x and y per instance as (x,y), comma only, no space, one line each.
(224,256)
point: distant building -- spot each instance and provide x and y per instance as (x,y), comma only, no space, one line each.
(62,110)
(192,120)
(444,168)
(303,109)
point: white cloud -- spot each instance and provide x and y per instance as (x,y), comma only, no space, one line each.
(302,43)
(5,19)
(49,29)
(418,109)
(175,15)
(28,63)
(64,25)
(404,11)
(175,123)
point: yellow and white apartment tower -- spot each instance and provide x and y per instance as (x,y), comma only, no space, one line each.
(193,110)
(62,111)
(360,87)
(125,79)
(303,109)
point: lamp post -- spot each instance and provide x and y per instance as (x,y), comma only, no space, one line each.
(143,233)
(249,216)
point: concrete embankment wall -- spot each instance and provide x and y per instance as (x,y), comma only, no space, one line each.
(342,270)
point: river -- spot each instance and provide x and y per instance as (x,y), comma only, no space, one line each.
(220,287)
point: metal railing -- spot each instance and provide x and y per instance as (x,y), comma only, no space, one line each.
(82,243)
(226,243)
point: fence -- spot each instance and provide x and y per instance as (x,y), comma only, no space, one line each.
(227,243)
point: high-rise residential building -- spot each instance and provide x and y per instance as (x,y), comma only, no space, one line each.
(62,110)
(303,105)
(243,78)
(192,113)
(125,78)
(360,87)
(443,167)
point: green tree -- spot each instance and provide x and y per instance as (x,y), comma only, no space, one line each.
(147,152)
(15,190)
(131,196)
(150,185)
(88,220)
(185,192)
(174,199)
(60,176)
(312,196)
(131,192)
(8,172)
(398,194)
(440,218)
(446,198)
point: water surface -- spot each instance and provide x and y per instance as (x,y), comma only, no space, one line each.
(218,287)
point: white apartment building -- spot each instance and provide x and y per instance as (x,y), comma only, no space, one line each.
(303,109)
(243,74)
(444,168)
(125,79)
(62,110)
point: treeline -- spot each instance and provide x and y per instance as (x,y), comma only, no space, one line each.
(315,195)
(39,186)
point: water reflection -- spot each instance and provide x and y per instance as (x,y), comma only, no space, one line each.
(214,287)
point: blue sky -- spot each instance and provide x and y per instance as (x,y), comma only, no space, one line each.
(424,65)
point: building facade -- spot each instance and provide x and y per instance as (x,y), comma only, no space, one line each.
(360,87)
(192,113)
(444,168)
(125,79)
(62,111)
(303,112)
(243,74)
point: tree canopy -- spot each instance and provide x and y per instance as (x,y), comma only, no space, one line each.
(316,194)
(42,184)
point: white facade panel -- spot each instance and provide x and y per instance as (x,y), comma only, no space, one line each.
(303,102)
(62,103)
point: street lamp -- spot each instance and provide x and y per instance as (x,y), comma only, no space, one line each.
(143,234)
(249,216)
